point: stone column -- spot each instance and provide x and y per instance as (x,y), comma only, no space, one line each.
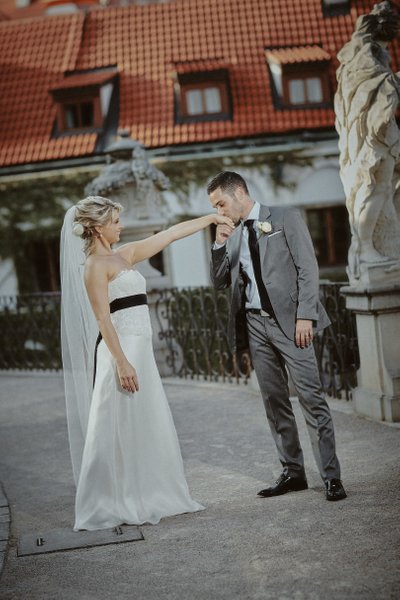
(377,308)
(366,101)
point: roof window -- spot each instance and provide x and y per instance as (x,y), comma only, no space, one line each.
(83,101)
(202,96)
(333,8)
(299,77)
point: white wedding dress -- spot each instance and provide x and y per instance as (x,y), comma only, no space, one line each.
(132,469)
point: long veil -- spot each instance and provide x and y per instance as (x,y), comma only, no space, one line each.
(78,337)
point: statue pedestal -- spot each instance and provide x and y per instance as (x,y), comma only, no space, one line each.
(384,273)
(377,309)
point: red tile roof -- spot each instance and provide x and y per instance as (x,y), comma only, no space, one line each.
(10,9)
(297,54)
(193,66)
(147,43)
(85,80)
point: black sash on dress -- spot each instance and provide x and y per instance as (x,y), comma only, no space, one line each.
(119,304)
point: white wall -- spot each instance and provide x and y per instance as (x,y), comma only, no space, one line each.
(188,261)
(8,279)
(315,184)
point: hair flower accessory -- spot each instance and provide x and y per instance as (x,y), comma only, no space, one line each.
(78,229)
(264,226)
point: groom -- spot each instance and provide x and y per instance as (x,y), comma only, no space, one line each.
(269,261)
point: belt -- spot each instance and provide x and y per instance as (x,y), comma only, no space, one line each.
(119,304)
(127,302)
(258,311)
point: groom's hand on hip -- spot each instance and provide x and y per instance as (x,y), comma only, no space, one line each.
(304,333)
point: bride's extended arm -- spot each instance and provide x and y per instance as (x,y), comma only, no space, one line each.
(96,282)
(135,252)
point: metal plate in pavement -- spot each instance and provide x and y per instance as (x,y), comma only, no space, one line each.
(66,539)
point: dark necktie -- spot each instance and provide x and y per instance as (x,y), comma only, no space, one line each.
(255,259)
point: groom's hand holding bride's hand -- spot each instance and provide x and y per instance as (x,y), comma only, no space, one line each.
(127,376)
(225,226)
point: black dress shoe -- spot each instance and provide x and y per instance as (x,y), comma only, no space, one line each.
(335,490)
(283,485)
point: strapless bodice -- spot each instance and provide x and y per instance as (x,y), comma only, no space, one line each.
(134,320)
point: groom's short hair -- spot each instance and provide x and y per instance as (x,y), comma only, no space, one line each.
(228,181)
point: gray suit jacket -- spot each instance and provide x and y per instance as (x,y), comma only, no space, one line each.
(289,272)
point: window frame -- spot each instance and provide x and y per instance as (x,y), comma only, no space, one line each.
(202,86)
(81,92)
(316,71)
(201,81)
(328,221)
(335,8)
(78,100)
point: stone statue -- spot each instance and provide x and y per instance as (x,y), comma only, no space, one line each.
(130,176)
(130,179)
(148,179)
(366,101)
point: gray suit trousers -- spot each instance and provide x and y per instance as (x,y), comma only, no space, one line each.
(270,351)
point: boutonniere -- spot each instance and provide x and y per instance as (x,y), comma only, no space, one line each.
(263,226)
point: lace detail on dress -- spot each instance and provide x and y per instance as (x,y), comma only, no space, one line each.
(134,320)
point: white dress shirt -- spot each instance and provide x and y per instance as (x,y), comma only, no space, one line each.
(252,295)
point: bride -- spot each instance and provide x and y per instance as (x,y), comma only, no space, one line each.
(125,452)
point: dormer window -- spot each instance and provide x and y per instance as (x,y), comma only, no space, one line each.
(81,114)
(83,101)
(304,89)
(202,96)
(299,77)
(332,8)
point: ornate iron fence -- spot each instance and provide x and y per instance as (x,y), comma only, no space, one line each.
(336,346)
(192,325)
(30,332)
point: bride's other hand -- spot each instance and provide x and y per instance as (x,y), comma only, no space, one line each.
(128,377)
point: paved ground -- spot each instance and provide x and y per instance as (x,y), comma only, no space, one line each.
(297,546)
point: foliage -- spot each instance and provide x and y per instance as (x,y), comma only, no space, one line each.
(33,209)
(184,174)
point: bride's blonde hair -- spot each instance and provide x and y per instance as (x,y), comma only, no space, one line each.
(89,214)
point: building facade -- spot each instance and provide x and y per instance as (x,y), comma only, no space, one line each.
(204,85)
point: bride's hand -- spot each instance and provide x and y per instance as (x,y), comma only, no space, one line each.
(128,377)
(221,220)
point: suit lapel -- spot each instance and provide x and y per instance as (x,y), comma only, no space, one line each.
(265,215)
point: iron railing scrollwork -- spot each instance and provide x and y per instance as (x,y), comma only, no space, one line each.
(30,332)
(336,347)
(192,326)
